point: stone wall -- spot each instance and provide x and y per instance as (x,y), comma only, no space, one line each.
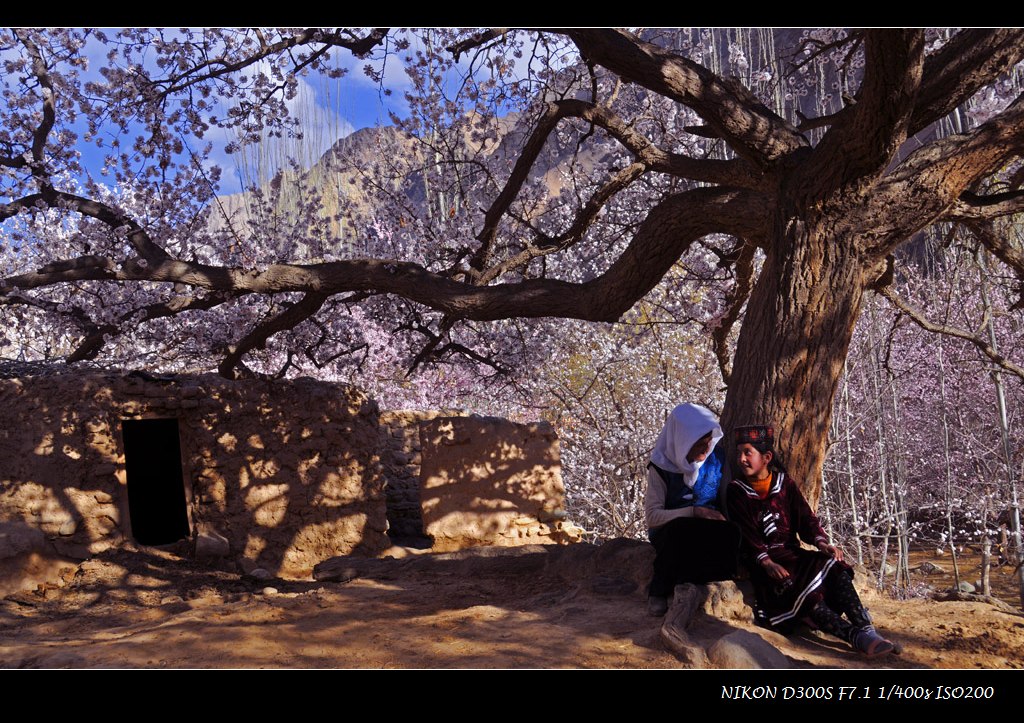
(400,459)
(279,474)
(489,481)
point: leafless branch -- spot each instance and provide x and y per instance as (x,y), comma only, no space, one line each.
(1002,249)
(919,318)
(457,348)
(855,40)
(433,339)
(310,351)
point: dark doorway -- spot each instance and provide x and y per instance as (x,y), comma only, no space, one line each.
(156,490)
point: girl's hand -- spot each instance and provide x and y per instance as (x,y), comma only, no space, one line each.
(831,550)
(775,571)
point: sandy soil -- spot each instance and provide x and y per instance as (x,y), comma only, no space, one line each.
(527,608)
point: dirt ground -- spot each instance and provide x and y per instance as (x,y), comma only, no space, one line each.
(580,606)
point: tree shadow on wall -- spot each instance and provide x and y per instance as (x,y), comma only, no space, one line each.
(281,479)
(489,481)
(296,482)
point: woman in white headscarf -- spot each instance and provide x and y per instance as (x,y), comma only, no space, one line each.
(693,541)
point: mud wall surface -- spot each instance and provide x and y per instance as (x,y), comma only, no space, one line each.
(274,475)
(279,475)
(489,481)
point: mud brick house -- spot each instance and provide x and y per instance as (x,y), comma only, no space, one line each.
(277,475)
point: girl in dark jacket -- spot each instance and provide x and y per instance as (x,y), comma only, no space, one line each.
(791,582)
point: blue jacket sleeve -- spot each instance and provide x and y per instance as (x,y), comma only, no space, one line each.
(709,478)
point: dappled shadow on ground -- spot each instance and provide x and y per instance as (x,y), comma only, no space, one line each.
(456,610)
(534,607)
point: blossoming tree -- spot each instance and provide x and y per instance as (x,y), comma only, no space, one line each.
(632,152)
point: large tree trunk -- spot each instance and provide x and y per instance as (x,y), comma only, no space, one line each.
(791,348)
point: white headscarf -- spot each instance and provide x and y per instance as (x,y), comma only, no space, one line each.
(686,424)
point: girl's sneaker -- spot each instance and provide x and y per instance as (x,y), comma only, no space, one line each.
(868,641)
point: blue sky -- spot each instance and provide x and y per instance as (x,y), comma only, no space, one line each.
(329,110)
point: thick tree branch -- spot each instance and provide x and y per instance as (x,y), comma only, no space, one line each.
(92,344)
(257,338)
(821,121)
(733,112)
(520,172)
(433,339)
(736,299)
(972,206)
(220,66)
(863,140)
(931,181)
(13,161)
(49,115)
(118,221)
(83,268)
(726,172)
(970,155)
(969,61)
(919,318)
(735,172)
(664,235)
(475,41)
